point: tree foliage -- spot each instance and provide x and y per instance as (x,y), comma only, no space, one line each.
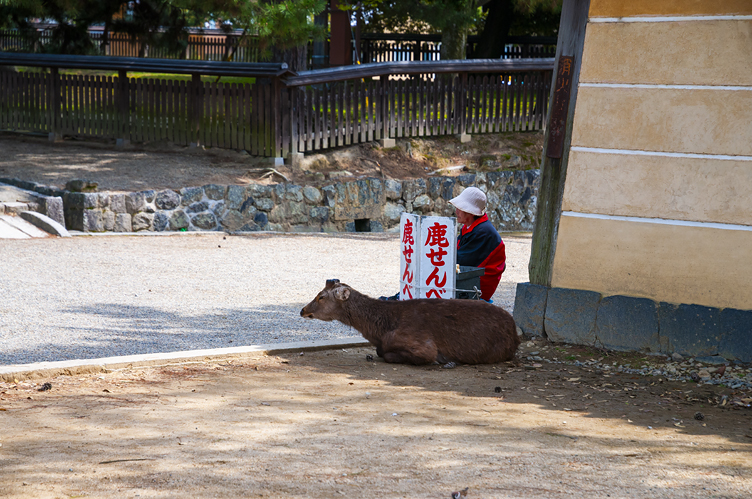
(493,20)
(281,24)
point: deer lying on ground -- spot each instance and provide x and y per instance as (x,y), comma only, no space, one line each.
(421,331)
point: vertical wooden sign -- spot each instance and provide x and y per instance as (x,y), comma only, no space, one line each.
(560,107)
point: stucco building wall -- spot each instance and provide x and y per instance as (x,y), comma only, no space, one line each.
(658,196)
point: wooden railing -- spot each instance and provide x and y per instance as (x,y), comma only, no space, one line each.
(281,112)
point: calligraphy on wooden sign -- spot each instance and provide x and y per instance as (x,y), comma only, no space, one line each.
(560,107)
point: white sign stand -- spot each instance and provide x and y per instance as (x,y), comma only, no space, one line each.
(427,257)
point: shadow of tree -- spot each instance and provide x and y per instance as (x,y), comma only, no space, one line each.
(109,329)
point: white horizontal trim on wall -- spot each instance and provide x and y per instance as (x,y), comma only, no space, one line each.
(633,152)
(660,221)
(668,19)
(670,87)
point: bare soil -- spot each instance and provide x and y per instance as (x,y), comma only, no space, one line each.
(334,423)
(164,166)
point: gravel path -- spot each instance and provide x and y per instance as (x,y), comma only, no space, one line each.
(100,296)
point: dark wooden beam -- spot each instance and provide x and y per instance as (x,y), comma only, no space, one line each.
(574,16)
(138,64)
(421,67)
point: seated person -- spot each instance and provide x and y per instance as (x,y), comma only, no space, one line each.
(479,244)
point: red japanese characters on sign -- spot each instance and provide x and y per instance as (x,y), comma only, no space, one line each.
(427,257)
(408,257)
(437,256)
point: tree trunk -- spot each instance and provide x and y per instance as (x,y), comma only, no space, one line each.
(453,43)
(498,22)
(296,57)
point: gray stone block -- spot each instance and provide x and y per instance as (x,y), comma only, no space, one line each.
(330,195)
(413,188)
(190,195)
(117,203)
(206,220)
(261,219)
(215,192)
(376,226)
(135,202)
(149,195)
(422,203)
(52,206)
(690,330)
(123,223)
(265,204)
(627,323)
(447,188)
(219,208)
(260,191)
(167,200)
(178,220)
(198,207)
(248,206)
(434,187)
(93,221)
(393,212)
(144,221)
(312,195)
(466,180)
(294,193)
(108,218)
(236,196)
(319,213)
(161,221)
(393,189)
(570,315)
(736,340)
(530,308)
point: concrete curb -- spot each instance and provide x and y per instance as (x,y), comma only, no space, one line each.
(16,372)
(45,223)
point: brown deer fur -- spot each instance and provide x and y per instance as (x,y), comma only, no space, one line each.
(421,331)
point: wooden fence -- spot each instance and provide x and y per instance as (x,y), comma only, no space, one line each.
(280,112)
(391,47)
(213,45)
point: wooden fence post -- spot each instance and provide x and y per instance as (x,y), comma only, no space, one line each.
(122,103)
(385,98)
(276,127)
(195,106)
(460,110)
(53,85)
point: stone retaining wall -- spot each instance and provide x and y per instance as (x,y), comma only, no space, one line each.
(368,205)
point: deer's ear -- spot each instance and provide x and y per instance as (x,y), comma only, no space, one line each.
(342,293)
(331,282)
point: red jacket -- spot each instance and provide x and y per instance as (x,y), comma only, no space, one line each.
(480,245)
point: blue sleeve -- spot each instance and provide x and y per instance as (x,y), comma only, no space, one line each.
(475,246)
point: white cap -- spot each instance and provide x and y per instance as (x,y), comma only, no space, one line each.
(471,200)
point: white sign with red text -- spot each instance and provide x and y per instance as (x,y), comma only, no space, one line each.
(427,257)
(409,232)
(437,257)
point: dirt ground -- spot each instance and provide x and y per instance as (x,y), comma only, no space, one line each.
(164,166)
(334,423)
